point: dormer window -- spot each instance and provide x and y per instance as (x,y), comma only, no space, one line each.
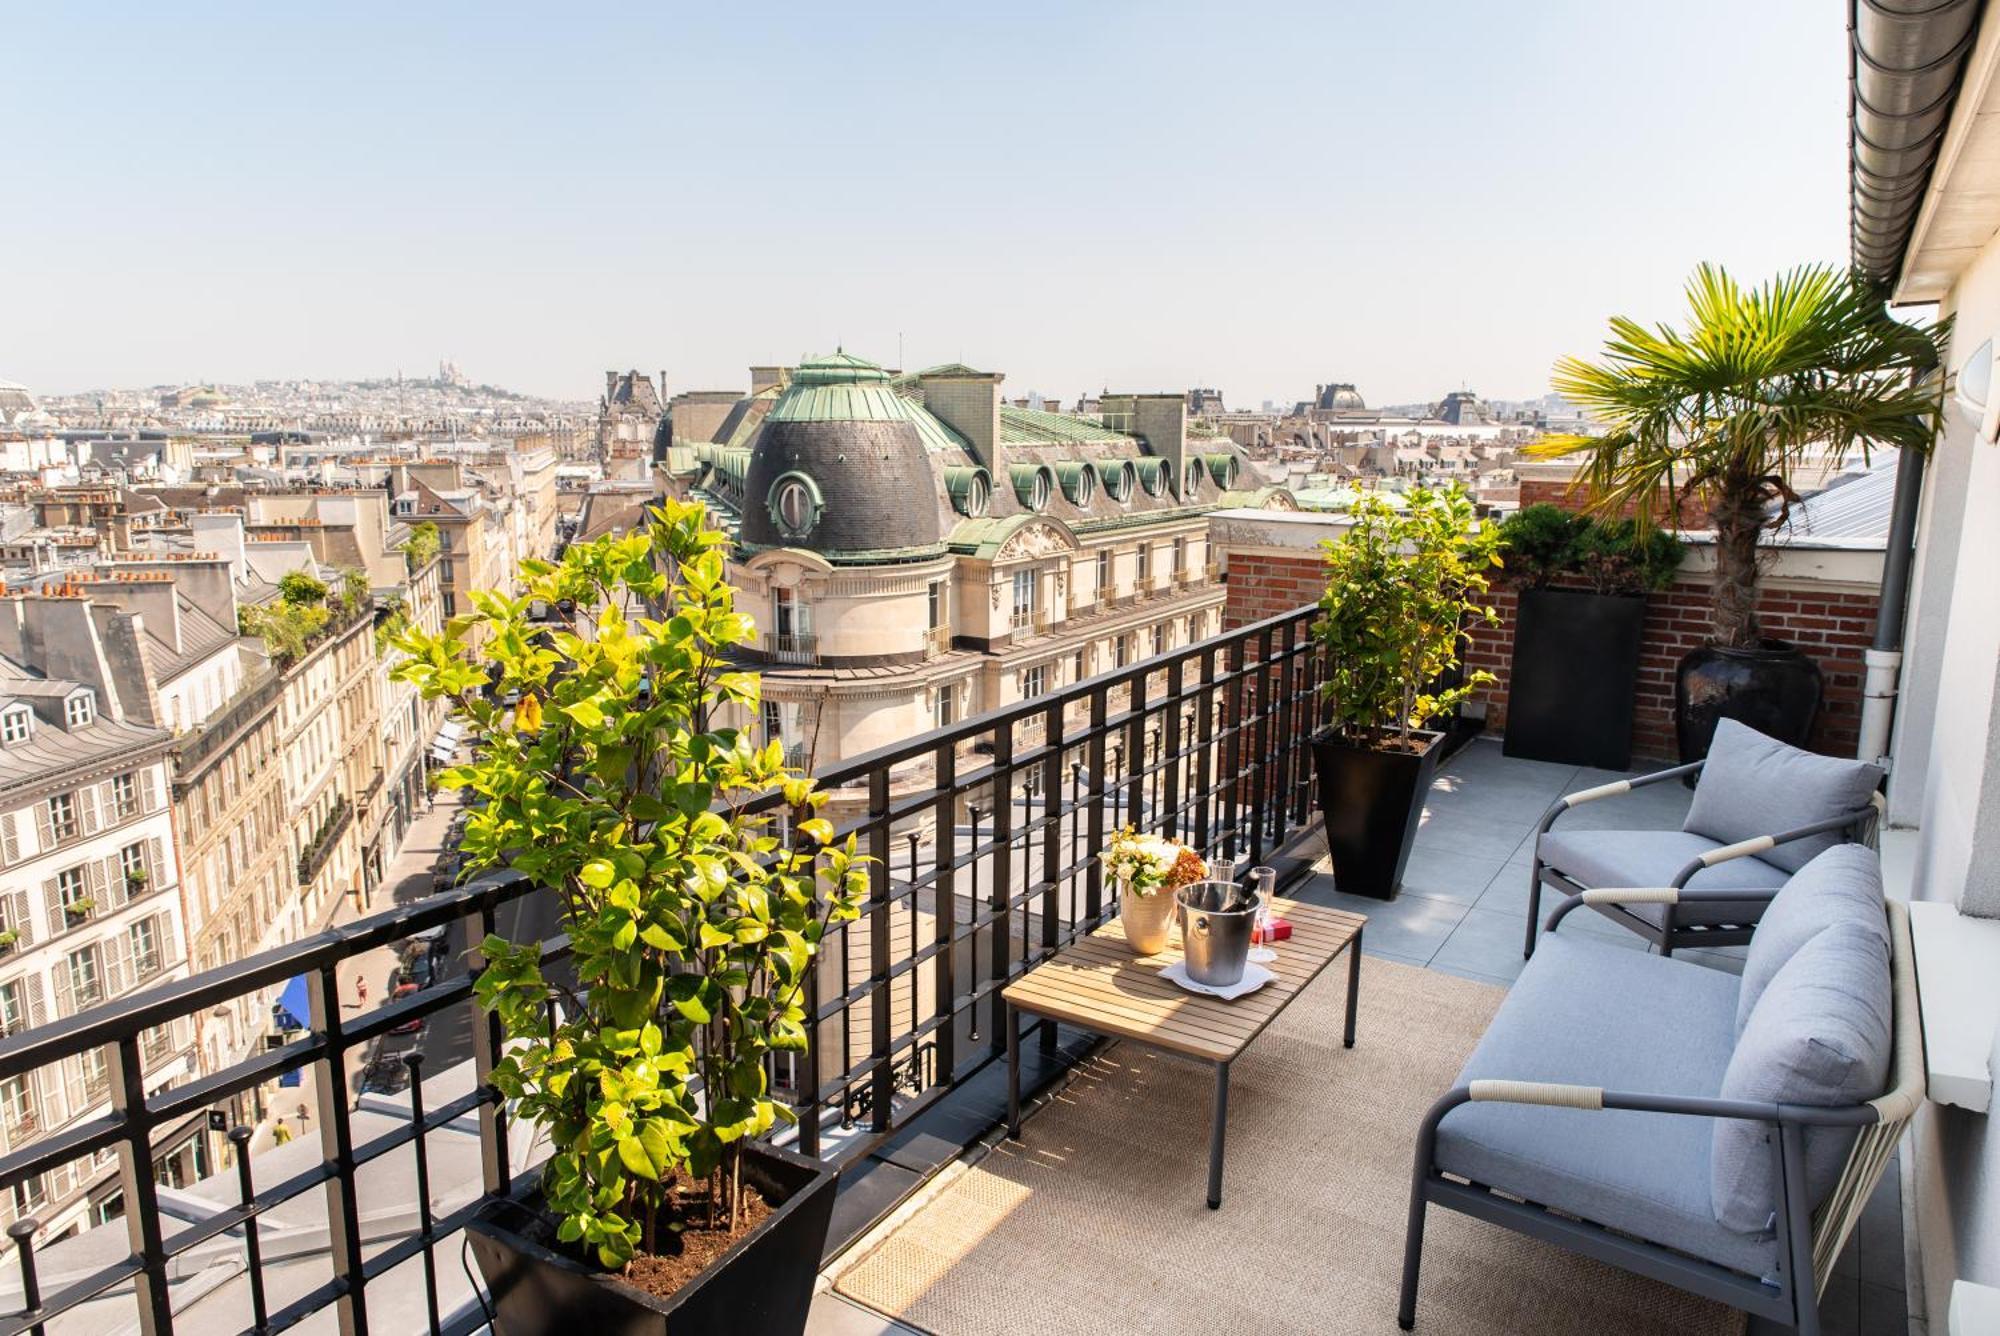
(17,724)
(80,707)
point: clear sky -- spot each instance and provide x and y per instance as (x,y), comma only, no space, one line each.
(1252,196)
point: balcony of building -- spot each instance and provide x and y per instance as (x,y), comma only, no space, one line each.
(796,650)
(986,867)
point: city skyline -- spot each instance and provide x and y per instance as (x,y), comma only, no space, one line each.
(1260,209)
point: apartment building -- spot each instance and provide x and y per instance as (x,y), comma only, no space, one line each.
(91,894)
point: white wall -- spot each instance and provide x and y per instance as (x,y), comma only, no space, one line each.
(1947,777)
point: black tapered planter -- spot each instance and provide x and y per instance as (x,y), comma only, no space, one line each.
(1371,800)
(763,1284)
(1575,669)
(1774,688)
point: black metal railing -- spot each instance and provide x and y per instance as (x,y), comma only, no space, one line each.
(984,837)
(122,1032)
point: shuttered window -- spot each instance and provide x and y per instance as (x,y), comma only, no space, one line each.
(125,794)
(61,811)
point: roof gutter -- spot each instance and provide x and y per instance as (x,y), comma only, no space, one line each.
(1906,61)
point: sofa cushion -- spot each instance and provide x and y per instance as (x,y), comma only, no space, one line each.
(1819,1035)
(1754,785)
(1590,1013)
(1654,858)
(1842,885)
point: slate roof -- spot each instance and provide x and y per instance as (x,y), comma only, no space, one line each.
(201,636)
(53,751)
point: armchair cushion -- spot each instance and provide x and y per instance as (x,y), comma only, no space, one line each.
(1820,1034)
(1842,885)
(1752,785)
(1588,1013)
(1655,858)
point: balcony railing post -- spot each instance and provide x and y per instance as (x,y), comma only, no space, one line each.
(22,1231)
(253,1248)
(336,1141)
(945,893)
(1204,743)
(1052,820)
(142,1204)
(414,1062)
(495,1164)
(1093,880)
(1288,746)
(1003,879)
(1264,771)
(880,926)
(1170,787)
(1232,747)
(1135,753)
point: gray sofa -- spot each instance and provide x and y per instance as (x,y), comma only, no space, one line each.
(1761,811)
(1715,1133)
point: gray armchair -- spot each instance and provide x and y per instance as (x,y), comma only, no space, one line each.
(1715,1134)
(1761,811)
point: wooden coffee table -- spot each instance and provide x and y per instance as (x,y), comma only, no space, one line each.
(1098,984)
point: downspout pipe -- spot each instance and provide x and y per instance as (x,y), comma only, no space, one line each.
(1884,657)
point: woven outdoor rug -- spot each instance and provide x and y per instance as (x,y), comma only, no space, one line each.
(1098,1223)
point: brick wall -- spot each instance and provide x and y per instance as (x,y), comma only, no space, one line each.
(1692,510)
(1831,624)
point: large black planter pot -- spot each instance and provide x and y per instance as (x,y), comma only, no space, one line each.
(1774,689)
(1570,689)
(1371,801)
(763,1284)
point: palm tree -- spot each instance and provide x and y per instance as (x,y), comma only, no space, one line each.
(1724,414)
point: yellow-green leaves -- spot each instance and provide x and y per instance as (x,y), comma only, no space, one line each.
(621,782)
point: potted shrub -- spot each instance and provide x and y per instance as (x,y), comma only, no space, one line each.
(1581,611)
(1721,419)
(617,782)
(1403,589)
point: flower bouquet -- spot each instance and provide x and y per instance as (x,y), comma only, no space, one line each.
(1148,870)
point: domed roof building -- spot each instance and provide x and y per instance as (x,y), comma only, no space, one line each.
(1340,398)
(18,409)
(915,550)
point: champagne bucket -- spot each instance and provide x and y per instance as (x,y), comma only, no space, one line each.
(1216,919)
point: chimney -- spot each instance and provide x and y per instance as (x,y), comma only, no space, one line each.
(147,593)
(128,668)
(1161,419)
(766,377)
(221,533)
(969,403)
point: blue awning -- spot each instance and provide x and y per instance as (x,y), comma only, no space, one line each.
(293,1005)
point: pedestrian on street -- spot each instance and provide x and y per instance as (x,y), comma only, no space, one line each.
(361,991)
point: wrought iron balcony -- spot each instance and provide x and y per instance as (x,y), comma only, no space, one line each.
(792,649)
(324,841)
(983,838)
(937,640)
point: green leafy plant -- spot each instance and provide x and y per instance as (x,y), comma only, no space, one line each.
(1547,545)
(420,549)
(1403,588)
(1540,542)
(1809,365)
(302,590)
(286,628)
(616,781)
(354,592)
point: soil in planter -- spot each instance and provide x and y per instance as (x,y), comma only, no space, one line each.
(663,1274)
